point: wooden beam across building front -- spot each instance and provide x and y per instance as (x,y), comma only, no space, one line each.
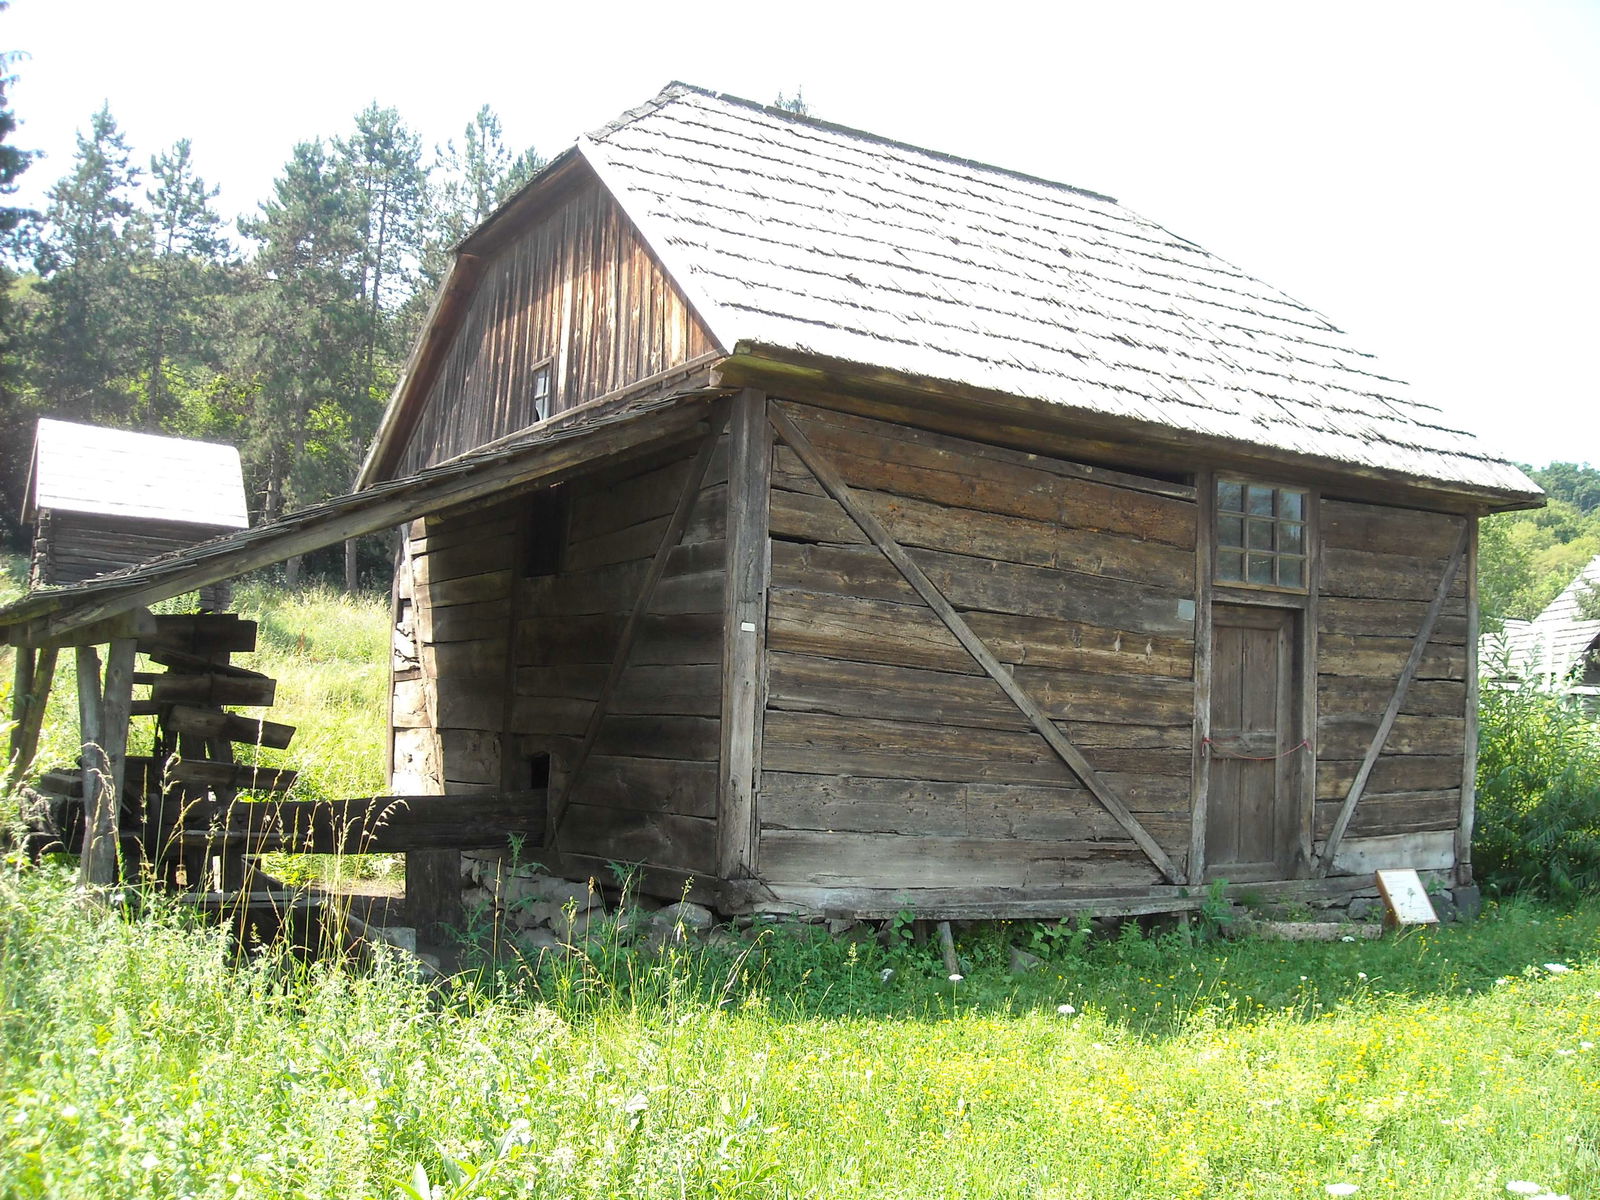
(749,571)
(1430,620)
(1080,766)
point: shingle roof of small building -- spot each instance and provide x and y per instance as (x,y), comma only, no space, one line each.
(119,473)
(816,240)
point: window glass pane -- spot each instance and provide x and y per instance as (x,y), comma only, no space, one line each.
(1259,534)
(1258,501)
(1230,565)
(1291,505)
(1290,537)
(1230,496)
(1259,569)
(1291,572)
(1230,531)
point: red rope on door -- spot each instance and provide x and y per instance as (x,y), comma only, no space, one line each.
(1212,751)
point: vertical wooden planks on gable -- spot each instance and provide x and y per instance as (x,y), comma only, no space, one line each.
(744,633)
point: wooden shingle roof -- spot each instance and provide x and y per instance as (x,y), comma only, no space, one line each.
(808,239)
(119,473)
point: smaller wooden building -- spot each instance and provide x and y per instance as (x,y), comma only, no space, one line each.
(104,499)
(1560,648)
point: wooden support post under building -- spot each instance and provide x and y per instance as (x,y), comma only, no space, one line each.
(103,718)
(30,693)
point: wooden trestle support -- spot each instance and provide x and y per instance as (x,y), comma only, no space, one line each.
(179,816)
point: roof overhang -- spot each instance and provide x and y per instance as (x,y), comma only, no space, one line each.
(1051,427)
(542,458)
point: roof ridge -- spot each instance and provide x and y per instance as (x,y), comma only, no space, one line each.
(677,89)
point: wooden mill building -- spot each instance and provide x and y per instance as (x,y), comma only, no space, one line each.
(824,523)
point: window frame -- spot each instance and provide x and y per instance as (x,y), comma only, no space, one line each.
(1275,522)
(542,405)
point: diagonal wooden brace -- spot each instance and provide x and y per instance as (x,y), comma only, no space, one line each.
(1358,786)
(1080,766)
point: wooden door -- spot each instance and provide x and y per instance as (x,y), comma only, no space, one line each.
(1253,808)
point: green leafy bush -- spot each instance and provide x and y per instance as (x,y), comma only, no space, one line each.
(1538,819)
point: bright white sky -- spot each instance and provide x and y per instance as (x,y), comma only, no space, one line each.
(1426,174)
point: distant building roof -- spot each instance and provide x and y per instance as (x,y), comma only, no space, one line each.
(808,239)
(114,472)
(1552,646)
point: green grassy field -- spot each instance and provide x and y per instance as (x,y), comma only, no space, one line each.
(140,1057)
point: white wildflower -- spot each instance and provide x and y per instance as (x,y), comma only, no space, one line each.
(1585,1045)
(69,1111)
(1524,1187)
(1341,1189)
(1347,938)
(149,1162)
(1361,974)
(885,975)
(956,978)
(1066,1010)
(1557,968)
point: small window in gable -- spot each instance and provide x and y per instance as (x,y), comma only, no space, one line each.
(1261,535)
(541,391)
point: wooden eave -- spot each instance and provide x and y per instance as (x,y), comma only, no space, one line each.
(1045,427)
(545,457)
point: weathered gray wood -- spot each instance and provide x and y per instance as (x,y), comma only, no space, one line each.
(1062,812)
(183,718)
(35,672)
(687,496)
(97,865)
(1310,625)
(1419,645)
(104,718)
(935,599)
(1469,760)
(1200,777)
(811,683)
(744,633)
(137,623)
(384,506)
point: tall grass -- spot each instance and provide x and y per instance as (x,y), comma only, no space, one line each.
(140,1058)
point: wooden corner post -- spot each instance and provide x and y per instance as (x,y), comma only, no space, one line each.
(1469,759)
(744,639)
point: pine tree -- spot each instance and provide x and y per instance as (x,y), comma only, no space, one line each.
(179,246)
(474,179)
(87,328)
(302,324)
(15,223)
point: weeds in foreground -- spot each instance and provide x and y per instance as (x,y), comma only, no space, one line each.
(141,1057)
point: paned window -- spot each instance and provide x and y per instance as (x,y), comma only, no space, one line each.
(541,392)
(1261,535)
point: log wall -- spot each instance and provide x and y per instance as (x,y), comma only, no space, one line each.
(70,547)
(890,760)
(1380,569)
(578,289)
(647,792)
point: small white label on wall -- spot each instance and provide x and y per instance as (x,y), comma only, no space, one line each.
(747,626)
